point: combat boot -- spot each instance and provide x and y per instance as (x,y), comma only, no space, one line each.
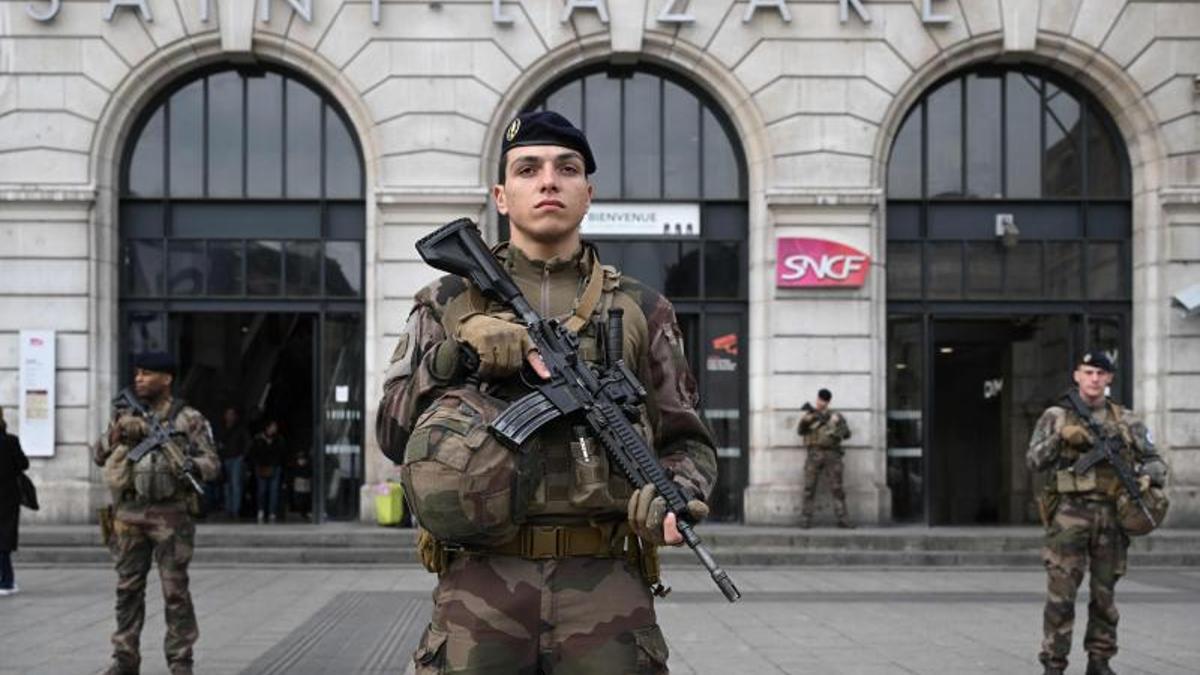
(845,524)
(181,669)
(1099,666)
(1051,670)
(115,668)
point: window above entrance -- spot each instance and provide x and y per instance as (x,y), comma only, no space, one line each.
(242,183)
(654,137)
(998,133)
(1008,185)
(243,134)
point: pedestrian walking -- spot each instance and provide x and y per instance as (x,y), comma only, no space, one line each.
(13,463)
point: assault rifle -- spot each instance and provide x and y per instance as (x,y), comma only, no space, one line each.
(160,437)
(606,398)
(1107,448)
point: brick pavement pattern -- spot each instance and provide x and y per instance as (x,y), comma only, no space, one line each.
(793,620)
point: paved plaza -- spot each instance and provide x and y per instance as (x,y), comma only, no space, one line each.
(365,619)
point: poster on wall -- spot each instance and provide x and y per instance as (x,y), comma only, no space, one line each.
(36,392)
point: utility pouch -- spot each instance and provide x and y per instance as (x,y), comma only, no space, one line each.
(432,553)
(104,516)
(589,465)
(154,478)
(1047,505)
(644,557)
(1067,481)
(194,506)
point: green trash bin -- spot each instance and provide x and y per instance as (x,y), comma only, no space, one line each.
(389,503)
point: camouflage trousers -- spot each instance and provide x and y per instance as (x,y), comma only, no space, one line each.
(827,463)
(1082,537)
(503,615)
(165,535)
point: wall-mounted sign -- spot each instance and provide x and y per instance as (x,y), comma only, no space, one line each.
(36,392)
(669,11)
(649,219)
(805,263)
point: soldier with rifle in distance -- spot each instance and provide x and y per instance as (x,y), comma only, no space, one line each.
(1104,484)
(156,453)
(548,446)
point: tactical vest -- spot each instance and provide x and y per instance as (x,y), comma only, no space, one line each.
(153,480)
(1102,479)
(578,483)
(824,434)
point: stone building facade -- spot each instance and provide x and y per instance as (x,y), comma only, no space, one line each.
(814,93)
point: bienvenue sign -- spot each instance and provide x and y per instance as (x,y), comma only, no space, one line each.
(670,11)
(647,219)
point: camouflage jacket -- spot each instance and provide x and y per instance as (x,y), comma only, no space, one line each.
(825,430)
(200,446)
(422,366)
(1048,452)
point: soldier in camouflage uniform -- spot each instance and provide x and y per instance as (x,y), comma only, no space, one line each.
(158,528)
(563,596)
(1080,514)
(823,430)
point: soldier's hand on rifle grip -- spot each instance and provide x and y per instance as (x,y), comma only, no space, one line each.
(501,345)
(132,429)
(1076,436)
(649,519)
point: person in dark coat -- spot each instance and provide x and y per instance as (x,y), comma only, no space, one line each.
(12,463)
(268,452)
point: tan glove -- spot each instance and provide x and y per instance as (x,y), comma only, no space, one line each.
(647,511)
(131,429)
(502,345)
(1075,436)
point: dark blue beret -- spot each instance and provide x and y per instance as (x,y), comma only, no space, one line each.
(159,362)
(547,128)
(1097,359)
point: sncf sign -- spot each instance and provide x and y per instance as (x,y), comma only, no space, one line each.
(805,263)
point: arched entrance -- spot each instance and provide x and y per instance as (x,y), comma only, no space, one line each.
(242,227)
(671,189)
(1008,254)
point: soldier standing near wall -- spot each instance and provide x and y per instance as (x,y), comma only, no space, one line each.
(1087,515)
(153,503)
(823,430)
(557,576)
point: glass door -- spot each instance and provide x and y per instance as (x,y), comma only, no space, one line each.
(339,467)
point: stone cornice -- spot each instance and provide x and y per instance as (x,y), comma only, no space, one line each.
(1180,198)
(836,197)
(430,196)
(82,194)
